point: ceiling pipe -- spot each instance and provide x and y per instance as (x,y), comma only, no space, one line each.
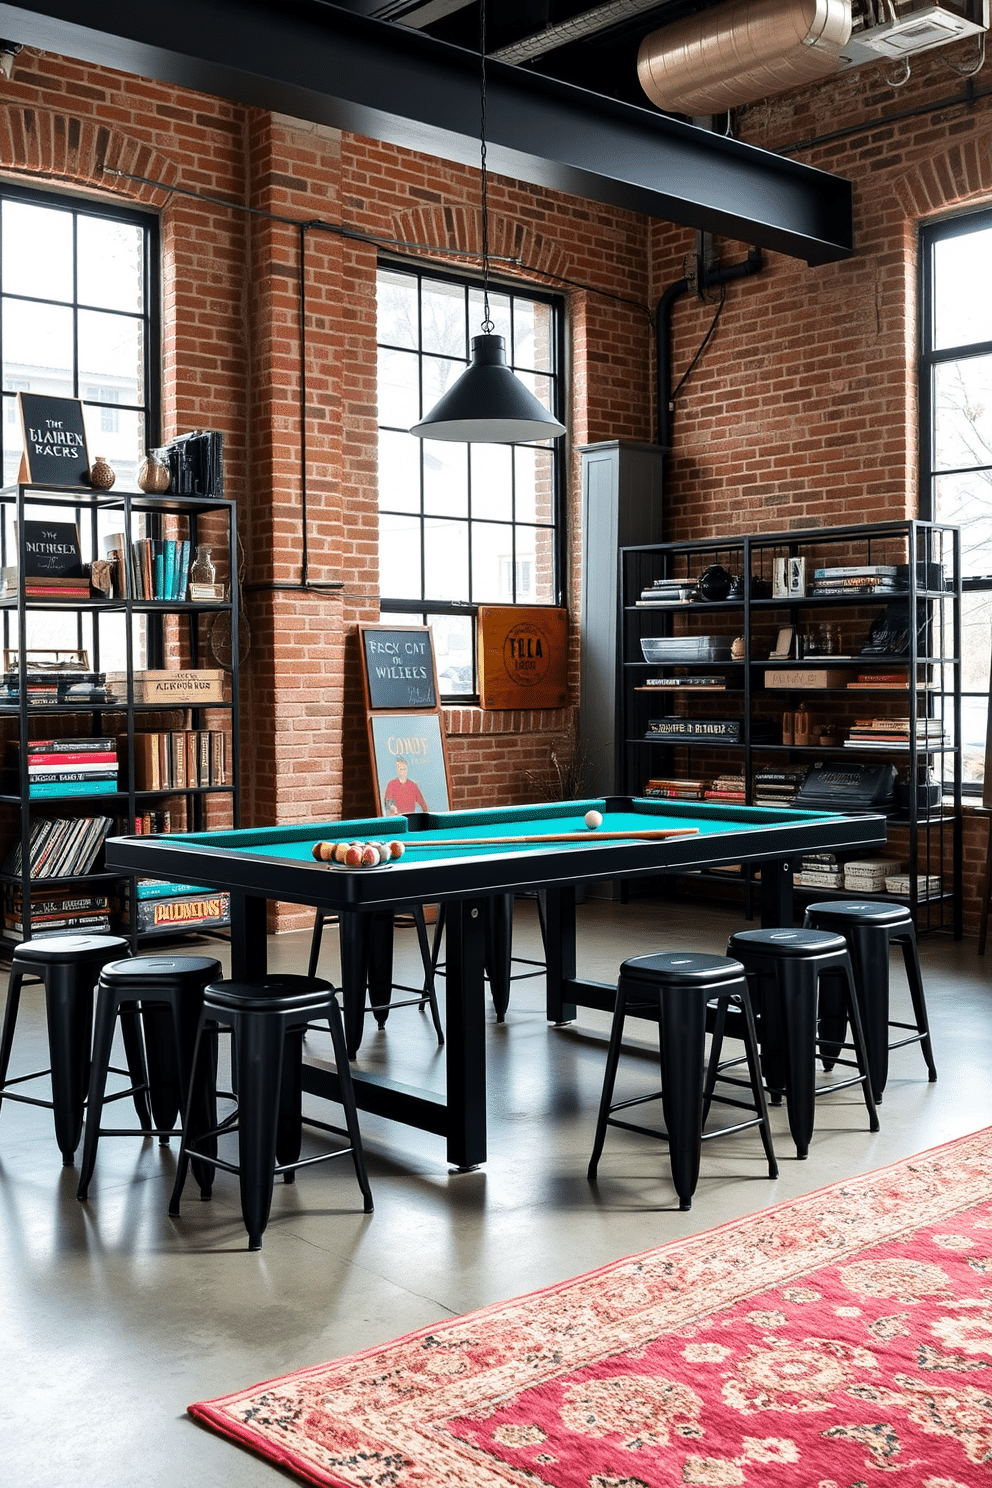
(560,33)
(707,276)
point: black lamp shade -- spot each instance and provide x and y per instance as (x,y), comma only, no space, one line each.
(488,405)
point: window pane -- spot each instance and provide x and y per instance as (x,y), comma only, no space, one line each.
(13,443)
(962,318)
(37,348)
(444,318)
(963,413)
(37,251)
(399,403)
(532,335)
(445,560)
(492,564)
(122,446)
(396,308)
(976,640)
(110,264)
(453,653)
(399,545)
(965,501)
(492,481)
(111,356)
(445,478)
(535,565)
(535,484)
(399,472)
(438,377)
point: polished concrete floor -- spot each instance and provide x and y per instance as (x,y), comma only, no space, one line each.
(114,1316)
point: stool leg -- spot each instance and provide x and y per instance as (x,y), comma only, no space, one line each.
(498,950)
(906,939)
(869,950)
(754,1070)
(831,1020)
(69,1009)
(165,1079)
(861,1051)
(609,1080)
(428,961)
(349,1105)
(354,934)
(381,966)
(289,1128)
(682,1036)
(259,1057)
(318,930)
(197,1109)
(199,1102)
(134,1058)
(9,1020)
(797,1000)
(716,1047)
(103,1042)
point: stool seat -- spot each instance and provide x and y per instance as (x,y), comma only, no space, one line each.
(161,996)
(785,968)
(869,929)
(677,988)
(267,1019)
(68,966)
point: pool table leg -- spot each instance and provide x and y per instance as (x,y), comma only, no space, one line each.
(465,1044)
(249,942)
(559,951)
(776,893)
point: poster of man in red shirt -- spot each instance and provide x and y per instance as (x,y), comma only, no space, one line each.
(402,795)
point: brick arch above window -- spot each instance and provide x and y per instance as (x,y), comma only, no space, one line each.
(961,173)
(57,147)
(460,228)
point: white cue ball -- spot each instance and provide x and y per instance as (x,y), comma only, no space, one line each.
(594,819)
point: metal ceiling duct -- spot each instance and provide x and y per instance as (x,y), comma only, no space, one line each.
(740,52)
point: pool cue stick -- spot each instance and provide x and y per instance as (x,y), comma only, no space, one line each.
(591,836)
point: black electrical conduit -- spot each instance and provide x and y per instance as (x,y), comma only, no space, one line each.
(707,279)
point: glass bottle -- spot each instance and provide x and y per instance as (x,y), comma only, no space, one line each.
(202,569)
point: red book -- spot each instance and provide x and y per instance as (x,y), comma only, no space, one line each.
(102,757)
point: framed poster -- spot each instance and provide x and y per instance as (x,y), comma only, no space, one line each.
(409,763)
(523,656)
(54,440)
(398,666)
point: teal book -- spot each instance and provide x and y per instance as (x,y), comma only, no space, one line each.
(182,565)
(158,568)
(74,788)
(169,582)
(153,889)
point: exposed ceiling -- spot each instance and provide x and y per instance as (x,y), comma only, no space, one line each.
(356,68)
(591,43)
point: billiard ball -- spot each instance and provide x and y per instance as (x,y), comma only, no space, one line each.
(396,850)
(353,855)
(340,849)
(593,819)
(370,855)
(327,852)
(316,851)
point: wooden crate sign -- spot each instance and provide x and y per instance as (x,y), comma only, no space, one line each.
(523,657)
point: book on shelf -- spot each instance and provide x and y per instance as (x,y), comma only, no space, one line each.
(42,789)
(90,924)
(60,847)
(858,571)
(180,759)
(160,888)
(181,911)
(712,684)
(685,790)
(697,728)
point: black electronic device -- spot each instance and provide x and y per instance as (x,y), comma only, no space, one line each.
(848,788)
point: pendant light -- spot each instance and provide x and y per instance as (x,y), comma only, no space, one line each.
(488,404)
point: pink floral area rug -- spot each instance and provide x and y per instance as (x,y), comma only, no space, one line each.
(840,1341)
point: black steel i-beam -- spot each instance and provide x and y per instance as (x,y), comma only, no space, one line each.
(317,62)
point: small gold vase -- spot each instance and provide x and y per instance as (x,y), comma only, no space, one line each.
(102,474)
(154,476)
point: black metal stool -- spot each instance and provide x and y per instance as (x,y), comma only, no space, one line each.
(869,928)
(68,966)
(167,992)
(676,988)
(367,961)
(784,968)
(267,1019)
(498,955)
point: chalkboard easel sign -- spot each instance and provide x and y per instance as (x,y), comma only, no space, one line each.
(398,665)
(54,441)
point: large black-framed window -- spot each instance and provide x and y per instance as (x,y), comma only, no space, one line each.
(956,441)
(79,319)
(462,525)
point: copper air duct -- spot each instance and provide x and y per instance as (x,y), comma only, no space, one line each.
(742,51)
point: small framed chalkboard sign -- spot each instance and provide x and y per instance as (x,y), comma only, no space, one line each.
(398,666)
(54,441)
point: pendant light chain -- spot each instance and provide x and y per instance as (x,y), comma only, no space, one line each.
(488,325)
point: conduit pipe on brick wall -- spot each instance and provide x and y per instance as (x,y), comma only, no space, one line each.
(707,277)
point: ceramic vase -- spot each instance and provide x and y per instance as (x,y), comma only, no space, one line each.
(102,474)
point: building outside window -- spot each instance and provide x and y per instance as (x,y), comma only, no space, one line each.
(956,441)
(462,525)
